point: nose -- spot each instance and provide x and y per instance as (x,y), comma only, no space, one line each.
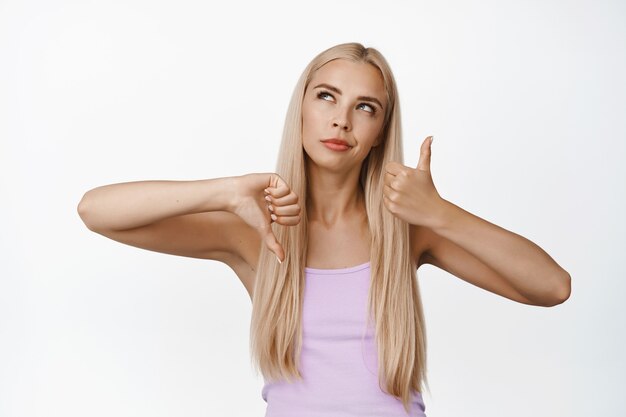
(342,121)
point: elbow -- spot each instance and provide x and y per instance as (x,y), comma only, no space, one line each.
(562,292)
(81,209)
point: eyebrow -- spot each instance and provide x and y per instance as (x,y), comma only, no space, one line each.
(338,91)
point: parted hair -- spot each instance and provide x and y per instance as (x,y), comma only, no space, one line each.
(394,301)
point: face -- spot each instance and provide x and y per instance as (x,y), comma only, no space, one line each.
(344,100)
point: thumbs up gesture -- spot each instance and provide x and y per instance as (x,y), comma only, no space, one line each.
(410,194)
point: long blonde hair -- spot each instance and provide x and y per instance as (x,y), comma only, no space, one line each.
(394,300)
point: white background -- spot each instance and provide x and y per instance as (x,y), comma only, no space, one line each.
(526,102)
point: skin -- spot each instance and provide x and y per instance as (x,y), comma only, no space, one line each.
(228,219)
(442,233)
(339,236)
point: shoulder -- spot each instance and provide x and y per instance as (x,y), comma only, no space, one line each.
(421,241)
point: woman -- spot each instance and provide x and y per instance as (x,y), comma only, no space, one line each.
(328,246)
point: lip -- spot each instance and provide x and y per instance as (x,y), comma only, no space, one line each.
(336,146)
(336,141)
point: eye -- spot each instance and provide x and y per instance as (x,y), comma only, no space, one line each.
(372,108)
(323,93)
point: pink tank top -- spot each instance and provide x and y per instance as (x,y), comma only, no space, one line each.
(339,361)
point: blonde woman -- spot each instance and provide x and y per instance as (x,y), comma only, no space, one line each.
(328,246)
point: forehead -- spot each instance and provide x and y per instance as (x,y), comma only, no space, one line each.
(357,78)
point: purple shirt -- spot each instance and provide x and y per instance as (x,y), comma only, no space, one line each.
(339,361)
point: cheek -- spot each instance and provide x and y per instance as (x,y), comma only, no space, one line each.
(369,131)
(311,121)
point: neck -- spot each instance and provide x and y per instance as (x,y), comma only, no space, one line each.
(334,196)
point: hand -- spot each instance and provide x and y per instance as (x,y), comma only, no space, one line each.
(410,194)
(255,209)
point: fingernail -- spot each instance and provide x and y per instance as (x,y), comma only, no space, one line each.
(273,216)
(267,197)
(266,191)
(431,139)
(271,208)
(279,261)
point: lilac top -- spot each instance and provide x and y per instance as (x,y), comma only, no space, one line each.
(339,361)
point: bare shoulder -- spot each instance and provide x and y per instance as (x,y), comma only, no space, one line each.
(421,239)
(244,256)
(240,244)
(215,235)
(227,238)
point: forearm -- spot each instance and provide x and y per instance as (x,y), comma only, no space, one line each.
(524,264)
(134,204)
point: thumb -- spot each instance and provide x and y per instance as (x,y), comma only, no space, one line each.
(273,245)
(424,161)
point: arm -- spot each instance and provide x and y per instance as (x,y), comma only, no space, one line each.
(210,219)
(134,204)
(467,246)
(495,258)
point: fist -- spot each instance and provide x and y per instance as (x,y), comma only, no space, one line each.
(409,193)
(262,199)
